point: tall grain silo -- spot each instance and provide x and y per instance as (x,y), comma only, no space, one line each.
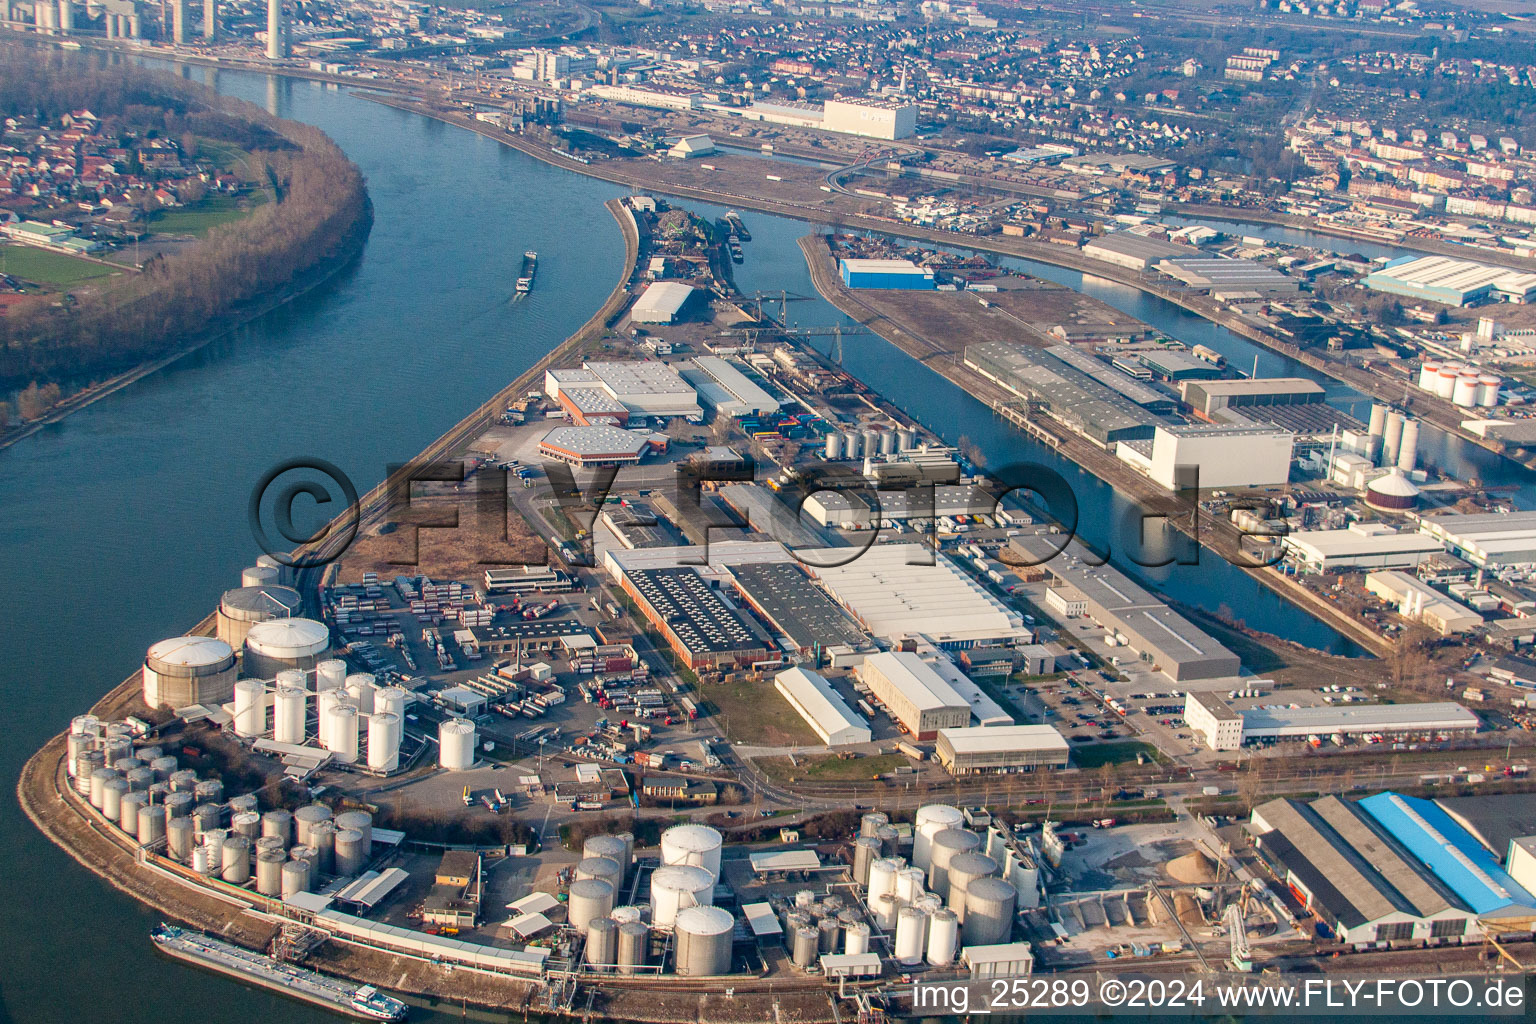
(702,938)
(1408,447)
(911,936)
(189,670)
(277,644)
(243,608)
(341,728)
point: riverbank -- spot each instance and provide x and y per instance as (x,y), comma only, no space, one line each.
(1442,414)
(315,278)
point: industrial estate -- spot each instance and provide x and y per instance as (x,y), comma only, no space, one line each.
(739,692)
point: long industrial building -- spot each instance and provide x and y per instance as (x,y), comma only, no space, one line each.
(1451,281)
(1224,277)
(796,609)
(1487,539)
(1067,394)
(1387,721)
(598,445)
(1128,387)
(1387,869)
(1003,748)
(1207,397)
(1135,252)
(1246,456)
(915,695)
(824,711)
(723,387)
(701,628)
(1175,646)
(643,388)
(1358,546)
(908,590)
(852,510)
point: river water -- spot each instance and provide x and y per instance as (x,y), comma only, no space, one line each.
(124,523)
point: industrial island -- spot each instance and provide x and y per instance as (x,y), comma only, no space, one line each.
(753,701)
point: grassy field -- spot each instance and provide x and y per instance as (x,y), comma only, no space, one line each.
(1092,755)
(829,767)
(755,714)
(201,217)
(48,268)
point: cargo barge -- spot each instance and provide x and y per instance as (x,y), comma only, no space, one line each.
(530,268)
(361,1001)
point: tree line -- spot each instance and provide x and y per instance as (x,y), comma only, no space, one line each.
(320,208)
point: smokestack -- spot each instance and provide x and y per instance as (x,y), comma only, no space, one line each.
(210,19)
(66,17)
(179,22)
(277,31)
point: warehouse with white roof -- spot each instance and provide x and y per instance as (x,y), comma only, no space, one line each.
(1358,546)
(824,711)
(661,302)
(894,591)
(644,387)
(915,695)
(724,388)
(1487,539)
(1001,748)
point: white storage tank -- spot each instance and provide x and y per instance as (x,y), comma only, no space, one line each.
(1445,380)
(634,945)
(383,741)
(834,447)
(856,937)
(931,819)
(250,708)
(295,877)
(964,869)
(360,821)
(324,702)
(703,941)
(361,687)
(602,950)
(942,849)
(278,823)
(330,674)
(112,792)
(277,644)
(289,717)
(866,850)
(178,837)
(322,839)
(352,854)
(698,845)
(269,872)
(1464,393)
(305,819)
(600,867)
(456,745)
(342,730)
(189,670)
(909,884)
(245,823)
(1408,448)
(389,700)
(943,935)
(676,887)
(882,876)
(260,576)
(612,847)
(590,899)
(128,812)
(911,936)
(1488,386)
(884,908)
(1428,371)
(989,909)
(906,439)
(243,608)
(235,864)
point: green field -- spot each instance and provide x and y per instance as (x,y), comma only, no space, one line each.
(201,217)
(42,266)
(829,767)
(1092,755)
(755,713)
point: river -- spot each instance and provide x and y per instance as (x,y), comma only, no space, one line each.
(124,522)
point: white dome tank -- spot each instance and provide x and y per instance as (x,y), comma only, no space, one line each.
(260,576)
(242,608)
(590,899)
(384,741)
(277,644)
(698,845)
(909,884)
(932,818)
(361,687)
(676,887)
(942,849)
(330,674)
(456,745)
(250,708)
(605,868)
(324,702)
(702,938)
(882,876)
(189,670)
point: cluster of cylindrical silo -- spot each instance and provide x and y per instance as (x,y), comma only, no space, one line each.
(815,926)
(617,937)
(870,440)
(1394,438)
(1460,383)
(949,894)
